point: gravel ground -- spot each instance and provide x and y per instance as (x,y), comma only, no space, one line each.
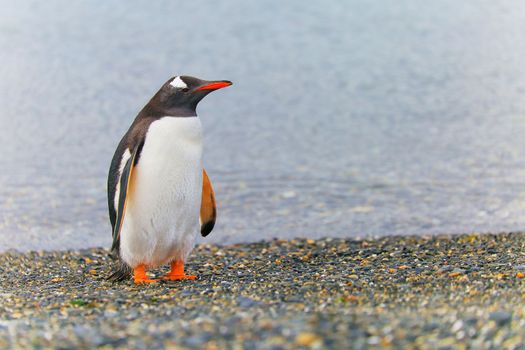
(443,292)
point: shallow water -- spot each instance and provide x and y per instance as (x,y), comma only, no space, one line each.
(346,119)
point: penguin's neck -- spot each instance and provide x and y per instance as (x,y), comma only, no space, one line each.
(160,112)
(180,112)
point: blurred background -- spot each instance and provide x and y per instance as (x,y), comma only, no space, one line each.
(346,118)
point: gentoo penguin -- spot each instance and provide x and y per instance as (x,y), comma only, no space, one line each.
(158,191)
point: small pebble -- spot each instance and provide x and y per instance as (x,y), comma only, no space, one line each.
(500,317)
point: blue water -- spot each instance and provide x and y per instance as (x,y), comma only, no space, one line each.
(347,118)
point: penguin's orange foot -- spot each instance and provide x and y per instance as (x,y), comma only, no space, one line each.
(140,277)
(144,280)
(177,273)
(170,277)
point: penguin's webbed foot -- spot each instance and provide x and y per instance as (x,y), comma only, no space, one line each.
(177,273)
(140,276)
(170,277)
(144,280)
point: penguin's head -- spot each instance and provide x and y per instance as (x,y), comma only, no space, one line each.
(180,95)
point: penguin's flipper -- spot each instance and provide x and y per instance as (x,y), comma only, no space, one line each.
(208,209)
(124,186)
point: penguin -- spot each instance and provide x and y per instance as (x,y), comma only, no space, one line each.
(159,194)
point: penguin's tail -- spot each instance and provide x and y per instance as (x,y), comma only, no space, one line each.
(121,272)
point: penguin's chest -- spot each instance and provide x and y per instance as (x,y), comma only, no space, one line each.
(162,214)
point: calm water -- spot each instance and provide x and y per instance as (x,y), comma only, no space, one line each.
(348,118)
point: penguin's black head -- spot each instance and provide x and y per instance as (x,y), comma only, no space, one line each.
(180,95)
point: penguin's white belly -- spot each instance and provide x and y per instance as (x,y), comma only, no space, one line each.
(162,210)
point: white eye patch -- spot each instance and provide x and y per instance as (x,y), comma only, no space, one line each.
(178,83)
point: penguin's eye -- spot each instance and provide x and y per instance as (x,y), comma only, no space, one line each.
(185,90)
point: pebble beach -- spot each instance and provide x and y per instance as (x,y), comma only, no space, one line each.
(446,292)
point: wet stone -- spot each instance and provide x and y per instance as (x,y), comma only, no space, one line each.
(501,317)
(244,302)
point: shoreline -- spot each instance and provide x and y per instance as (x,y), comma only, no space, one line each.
(396,291)
(205,241)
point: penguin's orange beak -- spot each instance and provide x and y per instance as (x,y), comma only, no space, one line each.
(214,85)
